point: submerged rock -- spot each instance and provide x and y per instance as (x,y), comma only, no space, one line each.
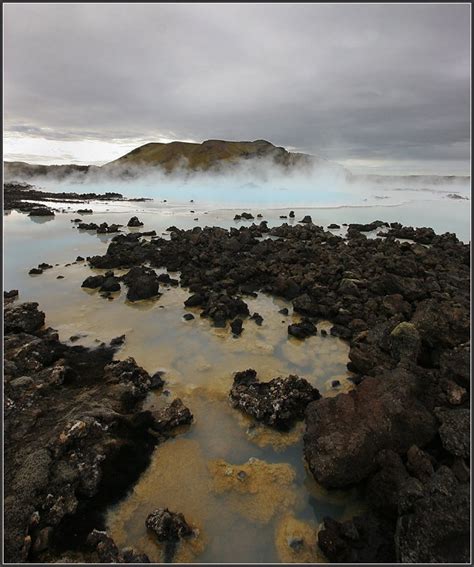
(168,526)
(257,490)
(278,403)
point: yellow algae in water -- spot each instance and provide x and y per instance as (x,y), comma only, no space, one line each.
(256,489)
(296,541)
(177,479)
(264,436)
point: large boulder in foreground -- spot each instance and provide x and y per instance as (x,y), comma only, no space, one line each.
(278,403)
(435,523)
(345,433)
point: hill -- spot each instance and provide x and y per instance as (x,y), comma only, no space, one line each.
(211,154)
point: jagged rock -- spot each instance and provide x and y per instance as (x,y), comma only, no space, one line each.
(436,527)
(168,526)
(171,416)
(134,222)
(278,403)
(455,430)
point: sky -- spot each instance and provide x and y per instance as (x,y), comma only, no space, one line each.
(382,88)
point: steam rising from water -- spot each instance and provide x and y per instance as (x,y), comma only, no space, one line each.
(255,182)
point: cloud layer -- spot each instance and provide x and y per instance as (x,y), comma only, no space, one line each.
(354,83)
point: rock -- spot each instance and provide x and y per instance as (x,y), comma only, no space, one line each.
(118,341)
(360,540)
(171,416)
(84,211)
(35,271)
(41,212)
(133,380)
(302,330)
(93,282)
(341,332)
(292,214)
(388,415)
(455,430)
(44,266)
(188,316)
(441,324)
(156,381)
(257,318)
(284,311)
(436,528)
(25,318)
(419,464)
(278,403)
(236,326)
(168,526)
(333,226)
(304,304)
(335,383)
(142,283)
(134,222)
(108,551)
(384,487)
(110,284)
(405,342)
(79,259)
(10,294)
(21,382)
(306,219)
(195,300)
(455,364)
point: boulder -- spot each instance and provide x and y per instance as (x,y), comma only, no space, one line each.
(435,528)
(278,403)
(344,434)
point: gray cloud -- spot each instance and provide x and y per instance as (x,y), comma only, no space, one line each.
(352,81)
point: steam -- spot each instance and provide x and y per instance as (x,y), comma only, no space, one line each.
(259,181)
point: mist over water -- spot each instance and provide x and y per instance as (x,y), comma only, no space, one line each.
(261,185)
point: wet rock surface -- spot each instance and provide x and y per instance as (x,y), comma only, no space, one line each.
(278,403)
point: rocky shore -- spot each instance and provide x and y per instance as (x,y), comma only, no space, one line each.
(18,196)
(402,435)
(75,439)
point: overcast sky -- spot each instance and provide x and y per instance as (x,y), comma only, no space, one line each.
(375,87)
